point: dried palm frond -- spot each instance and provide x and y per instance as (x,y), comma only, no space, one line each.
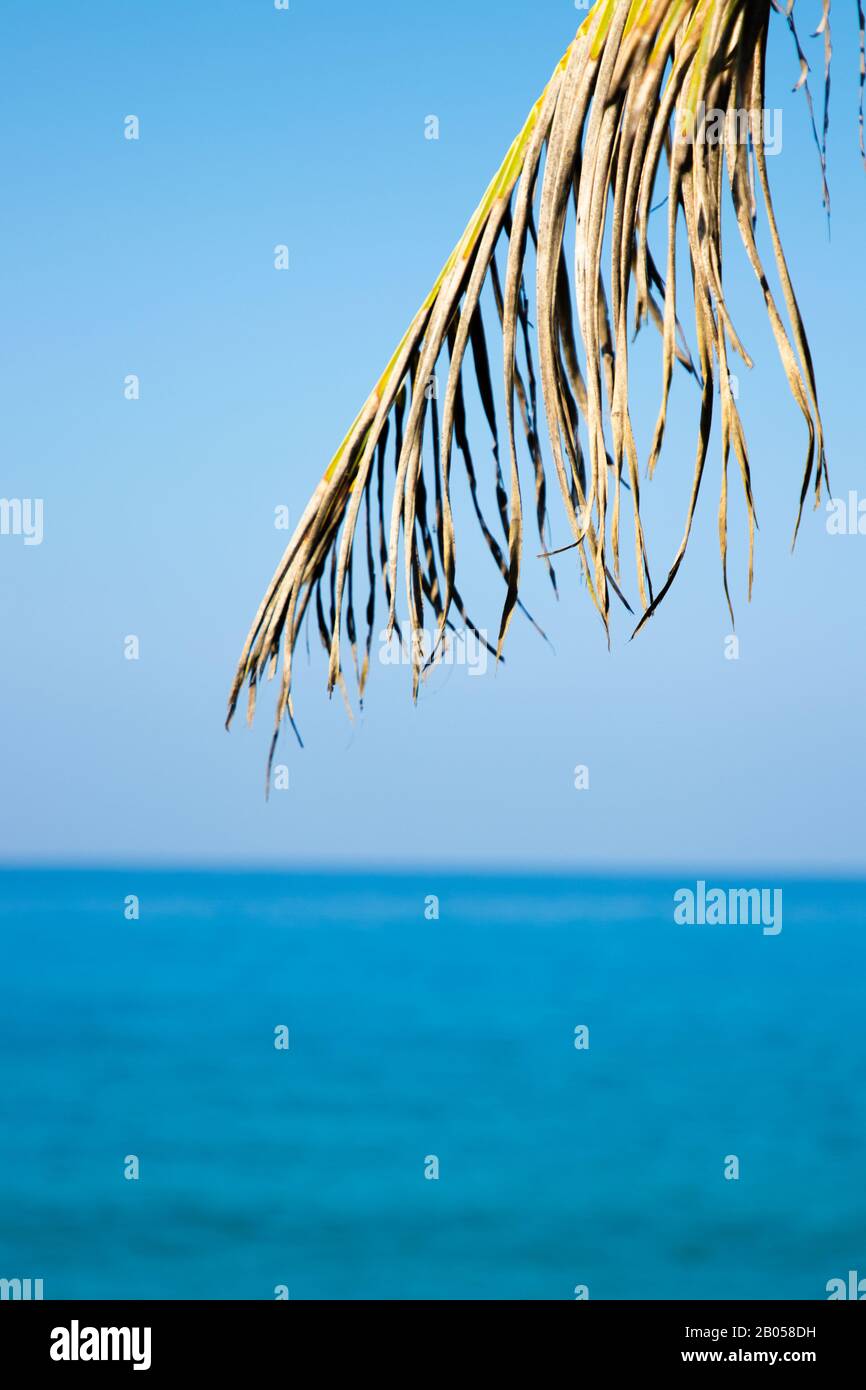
(630,98)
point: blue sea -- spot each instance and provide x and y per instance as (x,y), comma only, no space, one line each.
(431,1131)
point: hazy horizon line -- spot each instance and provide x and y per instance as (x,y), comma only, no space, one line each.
(347,868)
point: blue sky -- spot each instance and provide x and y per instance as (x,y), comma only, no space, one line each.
(155,257)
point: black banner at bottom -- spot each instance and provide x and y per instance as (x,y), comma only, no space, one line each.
(162,1338)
